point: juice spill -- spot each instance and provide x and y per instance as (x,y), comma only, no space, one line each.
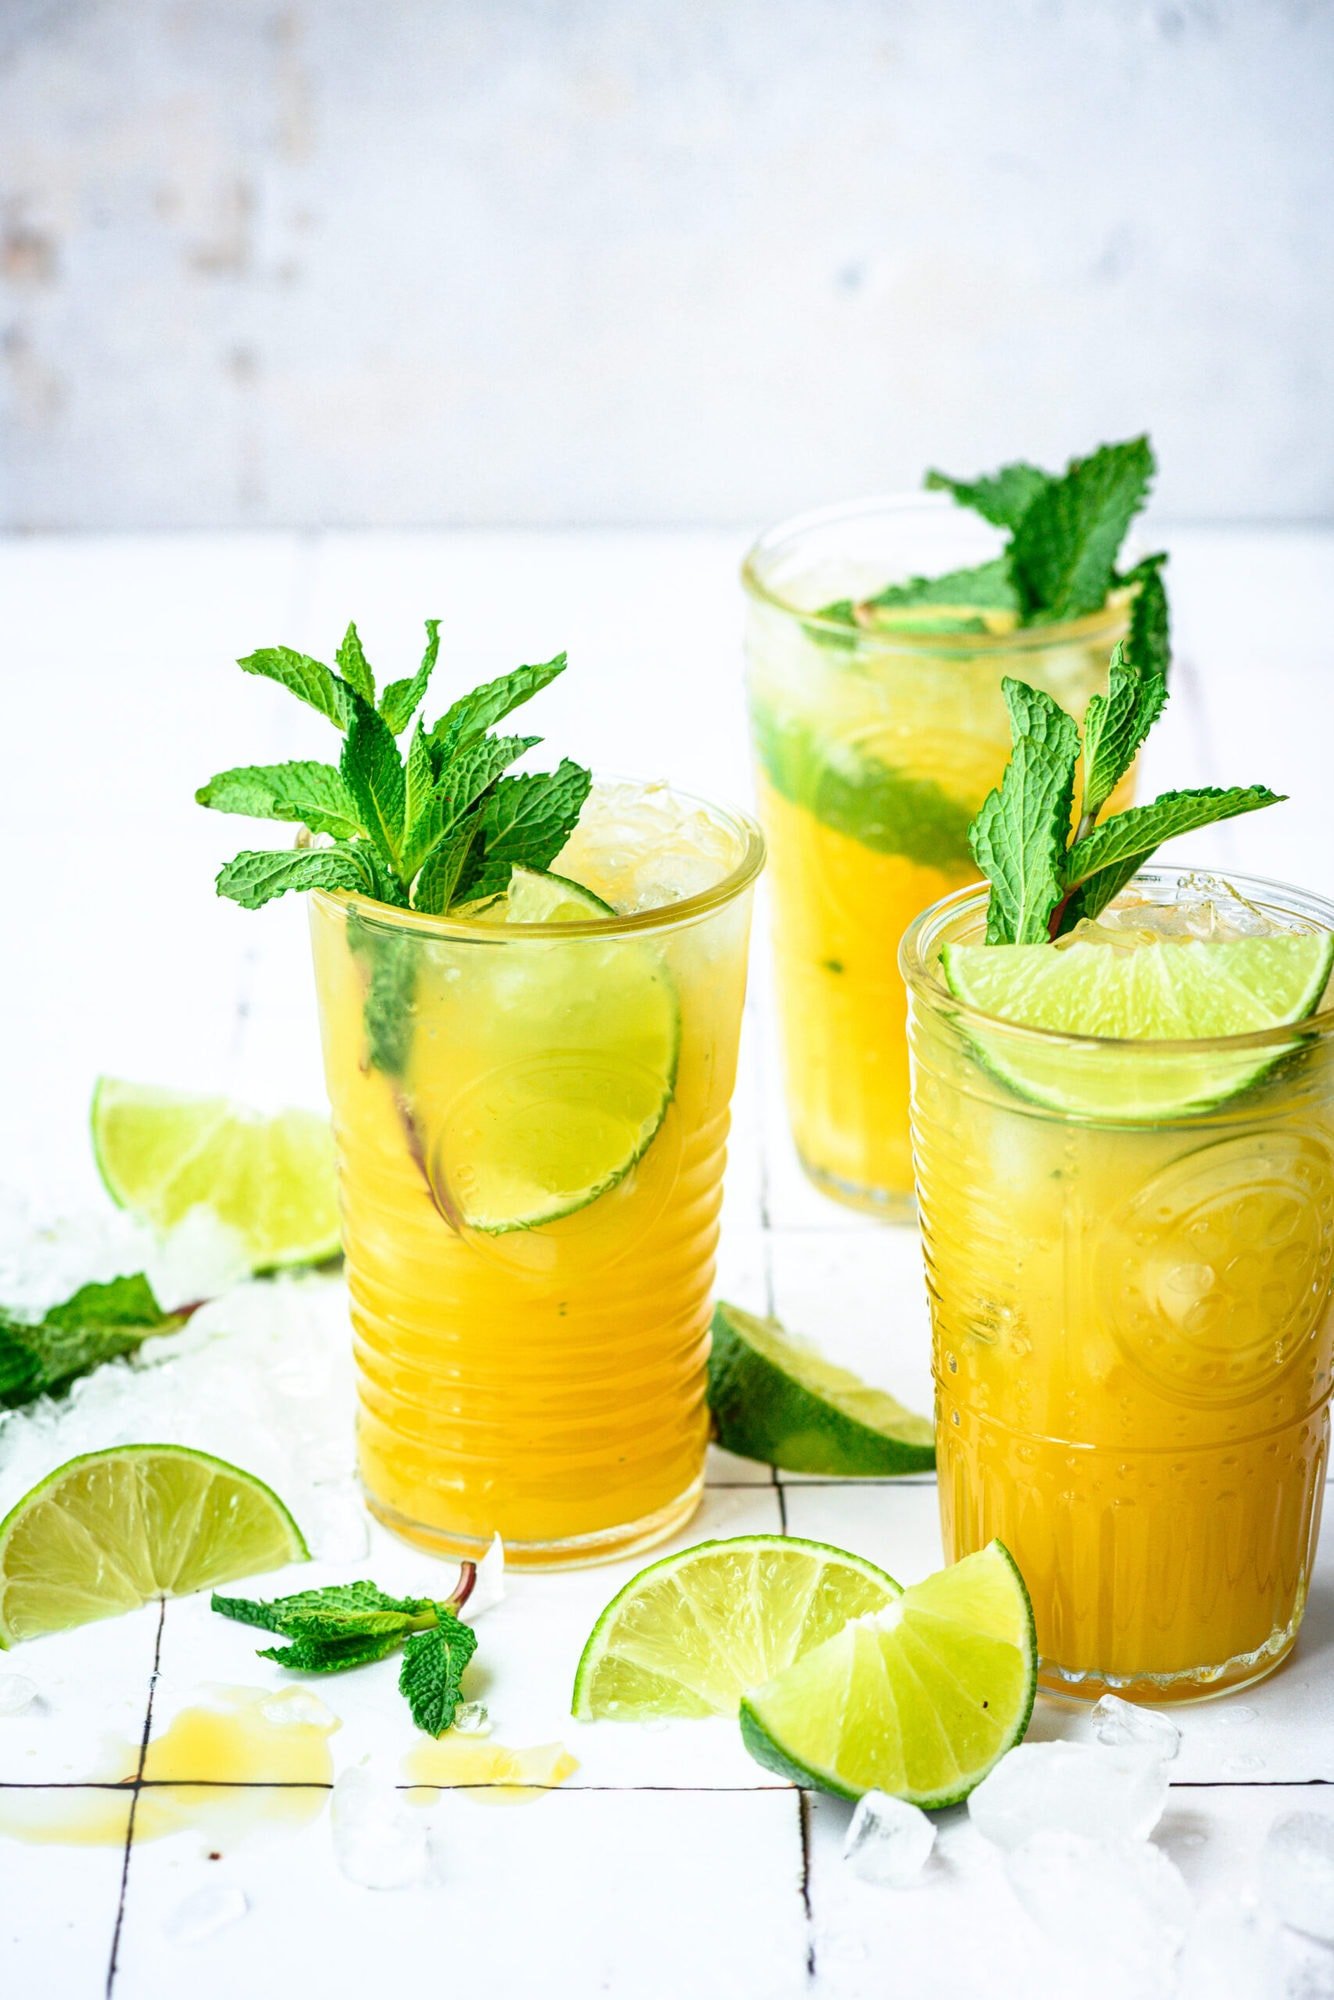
(256,1759)
(489,1772)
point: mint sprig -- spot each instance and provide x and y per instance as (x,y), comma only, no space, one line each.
(42,1356)
(425,831)
(1044,877)
(1064,534)
(353,1624)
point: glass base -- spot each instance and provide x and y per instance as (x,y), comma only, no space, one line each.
(1159,1690)
(575,1552)
(886,1204)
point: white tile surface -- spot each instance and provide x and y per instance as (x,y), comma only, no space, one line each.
(669,1863)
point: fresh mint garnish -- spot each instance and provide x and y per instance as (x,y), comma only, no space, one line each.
(352,1624)
(425,832)
(1064,534)
(100,1322)
(1045,877)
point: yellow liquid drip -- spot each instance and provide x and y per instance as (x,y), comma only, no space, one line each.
(229,1745)
(490,1773)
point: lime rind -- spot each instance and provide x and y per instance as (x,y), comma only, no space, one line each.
(675,1644)
(920,1701)
(1164,996)
(779,1401)
(157,1547)
(270,1180)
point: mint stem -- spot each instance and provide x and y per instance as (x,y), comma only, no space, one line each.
(464,1590)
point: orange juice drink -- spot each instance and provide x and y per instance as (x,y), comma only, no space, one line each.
(531,1173)
(1130,1262)
(874,750)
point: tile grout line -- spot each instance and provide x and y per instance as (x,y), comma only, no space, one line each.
(134,1798)
(533,1785)
(804,1824)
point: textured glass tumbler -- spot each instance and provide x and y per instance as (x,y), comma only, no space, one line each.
(1133,1322)
(531,1126)
(874,750)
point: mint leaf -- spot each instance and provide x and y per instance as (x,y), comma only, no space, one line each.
(1150,641)
(987,586)
(1100,864)
(391,961)
(401,699)
(1018,838)
(417,801)
(1115,726)
(473,769)
(255,877)
(354,666)
(314,795)
(1002,497)
(373,773)
(310,680)
(1063,554)
(444,869)
(476,712)
(324,1656)
(99,1323)
(342,1602)
(432,1672)
(525,822)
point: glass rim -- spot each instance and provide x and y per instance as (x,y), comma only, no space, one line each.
(928,927)
(1109,620)
(667,916)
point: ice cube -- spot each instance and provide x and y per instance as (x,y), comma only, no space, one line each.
(1119,1723)
(297,1707)
(17,1694)
(209,1910)
(1086,1788)
(378,1842)
(1297,1871)
(1116,1903)
(888,1841)
(471,1719)
(1233,1952)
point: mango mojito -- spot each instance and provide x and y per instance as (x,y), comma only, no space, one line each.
(530,994)
(1123,1115)
(878,638)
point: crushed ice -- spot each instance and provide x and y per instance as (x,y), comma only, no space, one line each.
(1079,1788)
(1113,1901)
(1118,1723)
(889,1841)
(1297,1872)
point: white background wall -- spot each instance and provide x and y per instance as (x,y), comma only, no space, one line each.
(400,261)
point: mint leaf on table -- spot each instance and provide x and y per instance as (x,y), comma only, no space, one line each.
(1002,498)
(401,699)
(1019,836)
(432,1672)
(353,665)
(310,680)
(306,793)
(1099,866)
(99,1323)
(1063,553)
(349,1625)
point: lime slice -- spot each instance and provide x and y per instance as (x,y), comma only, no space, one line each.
(774,1398)
(271,1180)
(110,1530)
(562,1057)
(919,1699)
(690,1634)
(1163,991)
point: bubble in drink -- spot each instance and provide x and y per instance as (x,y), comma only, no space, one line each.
(1297,1872)
(378,1842)
(204,1914)
(888,1841)
(1084,1788)
(1118,1723)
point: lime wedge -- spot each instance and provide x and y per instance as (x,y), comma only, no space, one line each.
(689,1635)
(110,1530)
(1165,991)
(774,1398)
(161,1154)
(562,1061)
(919,1699)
